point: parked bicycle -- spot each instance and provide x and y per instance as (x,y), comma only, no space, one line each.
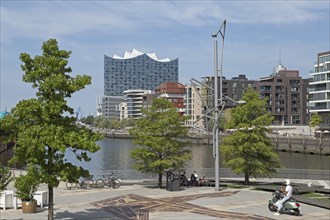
(84,183)
(110,181)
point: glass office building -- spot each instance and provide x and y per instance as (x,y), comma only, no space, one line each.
(136,70)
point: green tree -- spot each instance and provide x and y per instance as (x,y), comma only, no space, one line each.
(127,122)
(248,150)
(101,122)
(114,123)
(157,133)
(45,126)
(89,120)
(27,185)
(315,120)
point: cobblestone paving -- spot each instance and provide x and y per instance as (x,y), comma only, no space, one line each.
(137,207)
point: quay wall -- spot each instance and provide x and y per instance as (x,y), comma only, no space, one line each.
(298,144)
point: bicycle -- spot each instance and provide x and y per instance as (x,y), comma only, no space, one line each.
(111,181)
(90,183)
(84,183)
(81,184)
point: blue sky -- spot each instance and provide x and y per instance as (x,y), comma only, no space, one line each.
(256,32)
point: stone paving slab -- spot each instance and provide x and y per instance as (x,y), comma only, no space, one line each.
(145,203)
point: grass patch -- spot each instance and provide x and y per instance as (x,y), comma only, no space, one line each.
(236,186)
(320,196)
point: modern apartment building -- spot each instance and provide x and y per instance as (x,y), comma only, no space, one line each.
(319,92)
(134,102)
(194,107)
(111,106)
(173,92)
(286,94)
(134,71)
(232,88)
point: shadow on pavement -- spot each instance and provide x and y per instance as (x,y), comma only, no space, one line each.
(84,215)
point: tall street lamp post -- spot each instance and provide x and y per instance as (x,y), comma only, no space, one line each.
(217,98)
(214,112)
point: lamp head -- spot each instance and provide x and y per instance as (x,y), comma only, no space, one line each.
(241,102)
(214,35)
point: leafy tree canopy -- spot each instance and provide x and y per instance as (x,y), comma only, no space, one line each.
(315,120)
(44,126)
(158,133)
(248,150)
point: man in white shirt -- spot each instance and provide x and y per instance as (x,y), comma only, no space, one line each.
(287,194)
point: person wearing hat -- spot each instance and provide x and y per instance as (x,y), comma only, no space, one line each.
(287,194)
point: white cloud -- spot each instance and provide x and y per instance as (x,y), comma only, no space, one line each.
(275,12)
(43,19)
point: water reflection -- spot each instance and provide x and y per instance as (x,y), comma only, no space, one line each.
(115,155)
(304,161)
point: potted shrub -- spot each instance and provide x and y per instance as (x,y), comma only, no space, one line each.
(5,178)
(26,187)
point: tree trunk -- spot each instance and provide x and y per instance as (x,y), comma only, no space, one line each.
(50,203)
(160,180)
(50,188)
(247,180)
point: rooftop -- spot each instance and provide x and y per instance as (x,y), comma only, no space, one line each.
(136,53)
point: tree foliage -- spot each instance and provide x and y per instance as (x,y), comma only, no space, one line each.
(248,150)
(127,122)
(157,133)
(315,120)
(27,185)
(5,177)
(44,127)
(89,120)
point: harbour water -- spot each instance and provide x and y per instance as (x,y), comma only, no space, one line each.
(115,155)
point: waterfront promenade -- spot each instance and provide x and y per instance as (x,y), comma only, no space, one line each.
(139,201)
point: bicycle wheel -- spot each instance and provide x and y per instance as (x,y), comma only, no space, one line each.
(70,186)
(89,184)
(115,184)
(99,183)
(83,185)
(108,182)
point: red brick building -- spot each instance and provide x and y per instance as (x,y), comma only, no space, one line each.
(173,92)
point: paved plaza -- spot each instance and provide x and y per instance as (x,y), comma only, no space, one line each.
(141,202)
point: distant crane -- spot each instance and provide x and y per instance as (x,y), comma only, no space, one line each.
(77,113)
(98,103)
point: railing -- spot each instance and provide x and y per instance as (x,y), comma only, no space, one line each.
(224,173)
(281,173)
(124,174)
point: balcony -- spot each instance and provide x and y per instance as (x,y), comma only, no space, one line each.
(279,110)
(295,111)
(294,97)
(265,90)
(279,103)
(280,96)
(321,106)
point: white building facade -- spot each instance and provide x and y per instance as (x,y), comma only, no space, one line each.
(134,102)
(319,92)
(194,107)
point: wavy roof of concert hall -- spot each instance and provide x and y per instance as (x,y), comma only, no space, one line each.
(136,53)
